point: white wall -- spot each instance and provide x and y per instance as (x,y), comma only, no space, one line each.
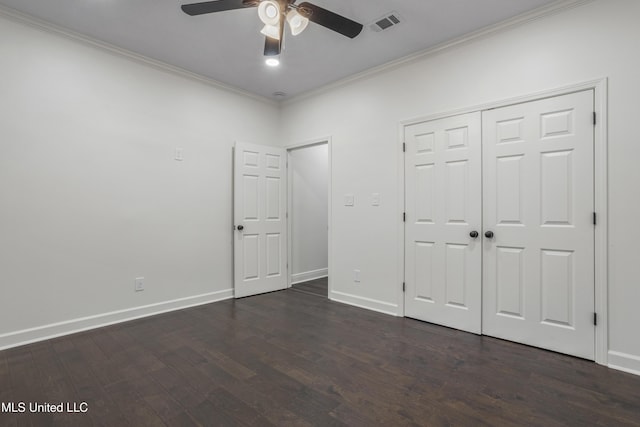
(91,196)
(598,39)
(308,216)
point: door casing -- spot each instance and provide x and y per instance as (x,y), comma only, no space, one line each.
(289,148)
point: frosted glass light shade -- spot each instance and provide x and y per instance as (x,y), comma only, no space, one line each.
(297,22)
(272,31)
(269,12)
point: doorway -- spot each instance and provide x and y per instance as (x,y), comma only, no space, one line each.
(308,217)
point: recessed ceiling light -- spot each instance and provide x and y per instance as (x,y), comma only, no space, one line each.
(272,62)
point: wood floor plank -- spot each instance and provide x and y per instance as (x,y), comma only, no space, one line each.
(266,404)
(131,405)
(293,358)
(182,420)
(207,414)
(316,287)
(177,387)
(237,409)
(7,419)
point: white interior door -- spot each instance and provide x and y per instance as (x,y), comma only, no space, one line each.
(443,262)
(260,219)
(538,285)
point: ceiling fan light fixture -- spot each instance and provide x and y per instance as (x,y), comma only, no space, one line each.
(269,12)
(297,22)
(272,31)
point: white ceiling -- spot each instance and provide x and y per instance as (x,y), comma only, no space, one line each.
(227,46)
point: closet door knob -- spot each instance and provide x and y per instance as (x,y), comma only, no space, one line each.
(489,234)
(474,234)
(240,227)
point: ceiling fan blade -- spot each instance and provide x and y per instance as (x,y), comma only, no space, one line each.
(271,47)
(331,20)
(194,9)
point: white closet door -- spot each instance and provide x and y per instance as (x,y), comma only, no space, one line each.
(443,207)
(260,219)
(538,285)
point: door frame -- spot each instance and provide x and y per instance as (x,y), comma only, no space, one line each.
(289,149)
(601,190)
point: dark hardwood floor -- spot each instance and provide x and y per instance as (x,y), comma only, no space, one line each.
(291,358)
(318,287)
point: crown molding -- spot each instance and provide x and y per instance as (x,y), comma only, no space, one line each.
(517,21)
(22,18)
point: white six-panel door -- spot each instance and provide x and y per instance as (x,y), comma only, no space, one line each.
(529,275)
(538,285)
(443,208)
(260,219)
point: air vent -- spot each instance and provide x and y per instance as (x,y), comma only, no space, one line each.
(385,22)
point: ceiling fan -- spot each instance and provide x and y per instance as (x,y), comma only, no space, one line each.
(274,14)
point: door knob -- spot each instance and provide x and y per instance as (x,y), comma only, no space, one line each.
(474,234)
(240,227)
(489,234)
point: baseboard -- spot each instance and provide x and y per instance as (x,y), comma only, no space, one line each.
(41,333)
(362,302)
(309,275)
(624,362)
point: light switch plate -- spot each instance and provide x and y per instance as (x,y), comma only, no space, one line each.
(375,199)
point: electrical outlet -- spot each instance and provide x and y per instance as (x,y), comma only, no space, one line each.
(179,156)
(356,276)
(139,284)
(375,199)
